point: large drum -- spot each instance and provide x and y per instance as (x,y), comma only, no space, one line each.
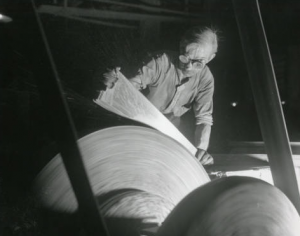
(233,206)
(136,173)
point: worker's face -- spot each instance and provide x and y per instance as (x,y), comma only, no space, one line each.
(194,57)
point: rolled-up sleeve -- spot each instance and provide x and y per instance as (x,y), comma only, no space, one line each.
(203,103)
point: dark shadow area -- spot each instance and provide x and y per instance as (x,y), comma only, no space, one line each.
(50,222)
(61,224)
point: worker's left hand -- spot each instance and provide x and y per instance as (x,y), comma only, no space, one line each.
(111,77)
(204,157)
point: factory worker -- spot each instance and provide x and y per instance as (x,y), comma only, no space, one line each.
(179,82)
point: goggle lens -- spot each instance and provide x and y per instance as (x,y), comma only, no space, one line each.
(184,59)
(196,64)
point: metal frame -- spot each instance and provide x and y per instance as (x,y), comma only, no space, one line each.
(266,96)
(63,128)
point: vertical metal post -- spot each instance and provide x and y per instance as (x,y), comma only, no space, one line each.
(266,96)
(51,94)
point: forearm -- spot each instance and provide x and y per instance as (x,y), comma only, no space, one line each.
(202,136)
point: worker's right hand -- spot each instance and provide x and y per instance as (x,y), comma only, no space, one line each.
(111,77)
(204,157)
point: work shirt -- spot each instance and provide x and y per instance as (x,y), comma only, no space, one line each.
(170,92)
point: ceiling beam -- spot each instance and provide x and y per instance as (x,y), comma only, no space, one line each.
(149,8)
(113,15)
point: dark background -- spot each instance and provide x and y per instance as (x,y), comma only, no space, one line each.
(82,51)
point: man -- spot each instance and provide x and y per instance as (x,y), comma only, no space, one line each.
(178,83)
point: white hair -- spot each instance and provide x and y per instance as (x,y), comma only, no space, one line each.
(200,35)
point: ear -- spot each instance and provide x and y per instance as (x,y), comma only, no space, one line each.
(211,57)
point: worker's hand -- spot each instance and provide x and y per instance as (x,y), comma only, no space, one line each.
(111,77)
(204,157)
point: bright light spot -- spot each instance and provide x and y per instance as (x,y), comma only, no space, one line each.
(283,102)
(5,19)
(234,104)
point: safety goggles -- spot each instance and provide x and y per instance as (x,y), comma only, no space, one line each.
(196,63)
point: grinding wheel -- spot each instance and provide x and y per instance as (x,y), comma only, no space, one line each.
(135,172)
(233,206)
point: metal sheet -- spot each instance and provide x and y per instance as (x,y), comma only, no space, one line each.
(124,100)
